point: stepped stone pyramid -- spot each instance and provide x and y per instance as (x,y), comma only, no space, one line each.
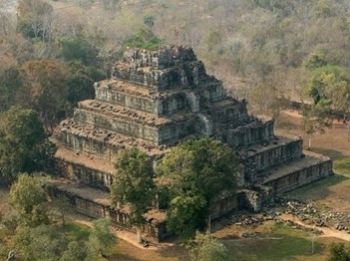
(157,99)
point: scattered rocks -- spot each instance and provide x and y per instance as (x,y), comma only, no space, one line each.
(307,212)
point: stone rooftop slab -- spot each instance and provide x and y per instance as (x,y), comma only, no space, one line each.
(134,116)
(91,162)
(310,159)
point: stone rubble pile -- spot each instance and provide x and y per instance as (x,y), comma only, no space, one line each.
(307,212)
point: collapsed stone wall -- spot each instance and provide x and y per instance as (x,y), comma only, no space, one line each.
(154,228)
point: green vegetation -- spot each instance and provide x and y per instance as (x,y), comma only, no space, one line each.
(196,172)
(78,49)
(190,178)
(134,185)
(280,243)
(28,197)
(338,252)
(342,166)
(207,248)
(77,232)
(101,240)
(54,242)
(24,146)
(144,39)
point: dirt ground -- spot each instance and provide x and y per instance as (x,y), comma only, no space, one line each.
(333,193)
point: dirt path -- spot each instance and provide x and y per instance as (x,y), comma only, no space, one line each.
(327,232)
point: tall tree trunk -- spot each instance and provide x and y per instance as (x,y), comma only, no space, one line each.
(209,224)
(309,145)
(138,234)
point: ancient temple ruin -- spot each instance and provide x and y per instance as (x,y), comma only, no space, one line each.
(155,100)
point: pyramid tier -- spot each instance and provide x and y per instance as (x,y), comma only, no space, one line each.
(134,123)
(275,152)
(304,171)
(257,131)
(159,103)
(87,170)
(88,139)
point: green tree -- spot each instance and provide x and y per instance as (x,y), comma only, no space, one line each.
(75,251)
(10,82)
(324,79)
(207,248)
(316,60)
(80,82)
(338,92)
(338,252)
(100,239)
(61,209)
(329,87)
(143,38)
(24,146)
(186,214)
(28,197)
(134,185)
(148,20)
(78,49)
(204,168)
(42,243)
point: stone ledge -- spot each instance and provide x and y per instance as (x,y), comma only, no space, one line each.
(82,139)
(121,113)
(271,144)
(298,173)
(94,163)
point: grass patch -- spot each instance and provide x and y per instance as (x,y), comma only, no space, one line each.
(342,166)
(320,190)
(334,154)
(282,243)
(77,231)
(317,190)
